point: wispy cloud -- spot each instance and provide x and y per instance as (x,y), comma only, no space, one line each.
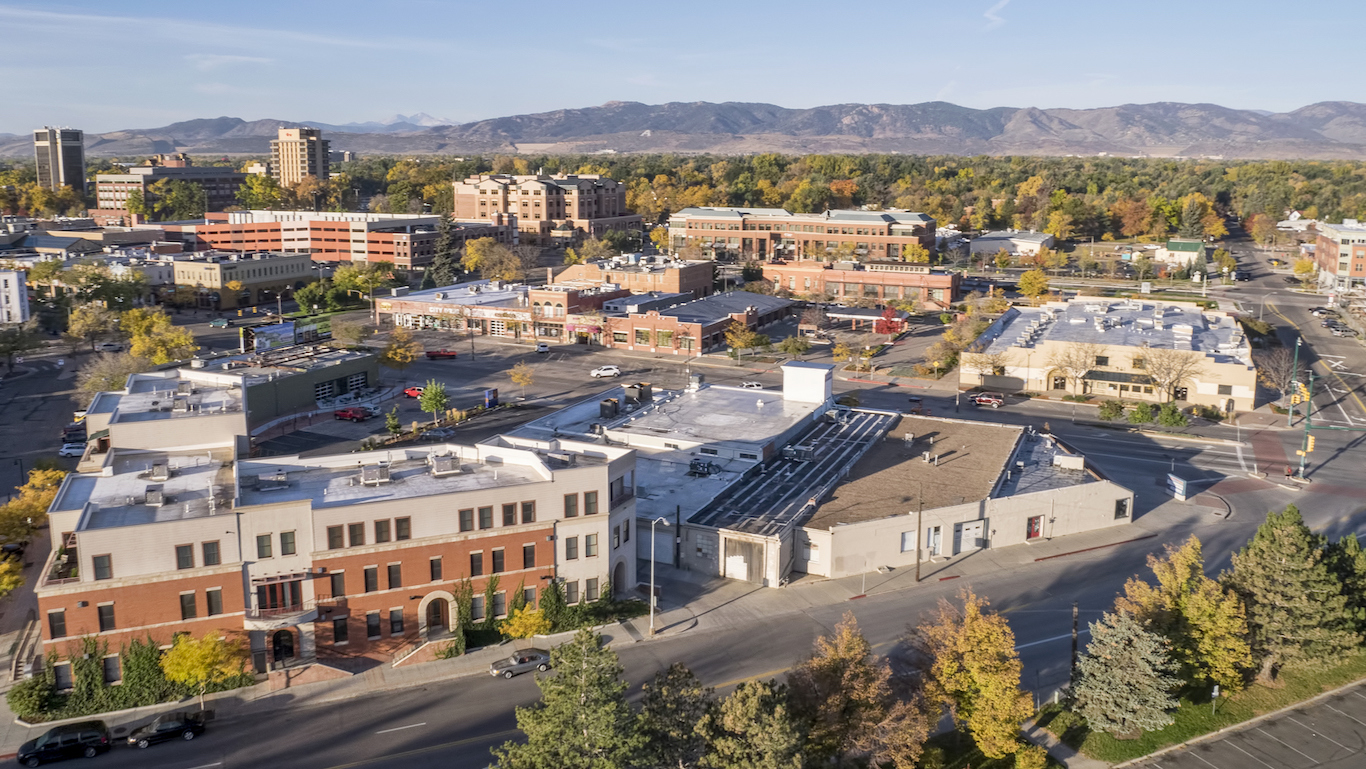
(208,61)
(993,17)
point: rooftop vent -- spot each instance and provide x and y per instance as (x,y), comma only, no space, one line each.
(444,466)
(560,459)
(184,388)
(155,496)
(374,475)
(161,471)
(182,404)
(273,481)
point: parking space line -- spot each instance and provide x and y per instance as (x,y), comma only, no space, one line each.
(1335,710)
(1236,747)
(1315,732)
(1312,760)
(1202,758)
(401,728)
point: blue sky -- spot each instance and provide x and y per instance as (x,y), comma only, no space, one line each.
(145,63)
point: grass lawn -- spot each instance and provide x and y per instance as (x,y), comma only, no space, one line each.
(1193,717)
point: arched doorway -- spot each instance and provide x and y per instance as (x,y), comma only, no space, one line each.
(619,580)
(438,614)
(282,645)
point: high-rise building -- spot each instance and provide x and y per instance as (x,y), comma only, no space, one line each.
(298,152)
(60,153)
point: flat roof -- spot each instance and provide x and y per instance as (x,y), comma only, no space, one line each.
(199,484)
(716,307)
(1036,237)
(1039,472)
(476,292)
(151,398)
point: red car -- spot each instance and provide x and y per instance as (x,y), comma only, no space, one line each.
(353,413)
(414,392)
(994,400)
(440,354)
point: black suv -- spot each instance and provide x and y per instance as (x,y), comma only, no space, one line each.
(87,738)
(168,726)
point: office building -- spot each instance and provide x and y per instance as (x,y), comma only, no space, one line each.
(60,154)
(1340,254)
(645,274)
(550,209)
(219,185)
(866,283)
(298,153)
(264,277)
(773,233)
(1013,242)
(13,297)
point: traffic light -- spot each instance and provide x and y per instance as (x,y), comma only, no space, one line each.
(1304,391)
(1294,398)
(1310,445)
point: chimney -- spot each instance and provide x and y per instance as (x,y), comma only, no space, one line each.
(549,275)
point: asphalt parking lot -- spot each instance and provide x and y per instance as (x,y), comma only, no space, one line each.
(1329,734)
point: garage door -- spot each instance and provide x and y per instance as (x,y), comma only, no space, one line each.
(663,550)
(744,560)
(968,536)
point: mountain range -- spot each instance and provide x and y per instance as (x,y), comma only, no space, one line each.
(1326,130)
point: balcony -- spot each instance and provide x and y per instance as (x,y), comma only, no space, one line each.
(277,617)
(622,498)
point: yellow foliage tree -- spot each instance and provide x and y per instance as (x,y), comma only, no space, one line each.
(11,576)
(153,337)
(401,351)
(522,375)
(202,663)
(525,623)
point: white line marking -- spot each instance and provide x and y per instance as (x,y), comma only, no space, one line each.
(207,766)
(1234,745)
(401,728)
(1288,745)
(1314,732)
(1335,710)
(1054,638)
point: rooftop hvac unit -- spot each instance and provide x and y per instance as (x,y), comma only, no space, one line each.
(155,497)
(374,475)
(440,295)
(181,405)
(444,466)
(161,471)
(184,388)
(608,408)
(561,458)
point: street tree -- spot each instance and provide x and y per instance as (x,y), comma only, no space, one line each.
(108,372)
(739,337)
(491,259)
(26,512)
(204,662)
(889,323)
(970,666)
(753,728)
(401,351)
(350,332)
(1034,284)
(842,352)
(18,339)
(1262,229)
(671,707)
(392,423)
(1170,368)
(1073,360)
(522,375)
(915,254)
(1204,622)
(90,323)
(1002,259)
(11,576)
(582,720)
(987,363)
(1307,271)
(1296,611)
(1124,681)
(153,337)
(795,346)
(445,269)
(434,399)
(1277,369)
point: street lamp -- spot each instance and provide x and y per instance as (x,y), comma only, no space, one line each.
(652,571)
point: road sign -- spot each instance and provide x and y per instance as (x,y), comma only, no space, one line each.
(1176,486)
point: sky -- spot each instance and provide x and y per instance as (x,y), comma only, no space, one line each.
(104,66)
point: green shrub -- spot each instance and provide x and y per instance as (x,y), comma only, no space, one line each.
(1210,413)
(945,318)
(1171,416)
(32,698)
(1111,410)
(1077,398)
(1141,414)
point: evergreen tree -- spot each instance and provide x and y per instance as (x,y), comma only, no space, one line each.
(445,269)
(671,708)
(1348,562)
(1295,608)
(752,729)
(428,281)
(1124,682)
(582,720)
(1192,220)
(1205,623)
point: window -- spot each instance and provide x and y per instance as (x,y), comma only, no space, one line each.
(56,623)
(510,515)
(371,579)
(528,556)
(211,556)
(338,579)
(616,537)
(395,575)
(184,556)
(571,505)
(590,503)
(643,336)
(1139,363)
(1102,360)
(571,548)
(1225,389)
(403,529)
(619,337)
(529,512)
(104,567)
(708,452)
(395,622)
(340,631)
(355,533)
(187,608)
(477,608)
(907,541)
(106,615)
(500,607)
(334,538)
(571,592)
(529,595)
(626,530)
(467,520)
(476,564)
(111,669)
(263,546)
(372,625)
(590,590)
(214,598)
(486,517)
(498,561)
(381,531)
(286,543)
(1121,509)
(590,545)
(434,566)
(62,672)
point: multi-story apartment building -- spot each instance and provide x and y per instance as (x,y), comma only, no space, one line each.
(1341,254)
(264,277)
(550,210)
(874,282)
(13,296)
(219,184)
(60,153)
(408,241)
(773,233)
(644,274)
(298,153)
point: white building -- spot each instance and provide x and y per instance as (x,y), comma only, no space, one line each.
(1015,242)
(13,296)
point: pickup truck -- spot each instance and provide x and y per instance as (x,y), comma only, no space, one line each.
(440,354)
(994,400)
(353,413)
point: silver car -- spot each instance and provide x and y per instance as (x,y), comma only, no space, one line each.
(521,662)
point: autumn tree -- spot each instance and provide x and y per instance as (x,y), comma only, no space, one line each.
(671,707)
(1262,229)
(970,666)
(153,337)
(402,350)
(11,576)
(740,337)
(491,259)
(1060,225)
(259,192)
(842,352)
(1296,611)
(1124,682)
(1170,368)
(26,512)
(1074,360)
(986,362)
(753,728)
(107,373)
(90,323)
(1307,271)
(434,399)
(889,323)
(1034,284)
(525,622)
(522,375)
(1204,622)
(199,664)
(915,253)
(1002,259)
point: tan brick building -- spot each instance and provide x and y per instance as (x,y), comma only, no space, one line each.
(298,153)
(876,282)
(644,274)
(550,210)
(773,233)
(264,277)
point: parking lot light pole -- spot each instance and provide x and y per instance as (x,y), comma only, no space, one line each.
(652,572)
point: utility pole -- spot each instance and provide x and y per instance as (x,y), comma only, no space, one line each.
(919,530)
(1073,670)
(1294,383)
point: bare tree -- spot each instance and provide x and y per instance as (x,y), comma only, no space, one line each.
(1169,367)
(987,363)
(1074,359)
(1276,369)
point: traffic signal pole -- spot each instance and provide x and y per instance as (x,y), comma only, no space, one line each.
(1307,441)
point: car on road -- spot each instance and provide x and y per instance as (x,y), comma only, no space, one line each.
(752,385)
(13,551)
(353,413)
(413,392)
(220,323)
(438,434)
(602,371)
(109,347)
(441,355)
(521,662)
(994,400)
(168,726)
(84,739)
(542,347)
(71,450)
(1344,331)
(1241,275)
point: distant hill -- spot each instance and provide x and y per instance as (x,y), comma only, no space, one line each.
(1328,130)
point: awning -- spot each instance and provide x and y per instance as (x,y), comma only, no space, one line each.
(1118,376)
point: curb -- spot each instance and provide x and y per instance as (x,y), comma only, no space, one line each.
(1097,547)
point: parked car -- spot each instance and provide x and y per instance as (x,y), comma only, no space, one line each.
(441,355)
(542,347)
(71,450)
(220,323)
(86,738)
(109,347)
(994,400)
(752,385)
(521,662)
(438,434)
(602,371)
(1240,275)
(353,413)
(13,550)
(414,392)
(168,726)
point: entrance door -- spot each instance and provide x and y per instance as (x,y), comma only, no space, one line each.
(1034,528)
(934,540)
(438,616)
(282,644)
(1179,394)
(967,536)
(736,567)
(1059,383)
(619,580)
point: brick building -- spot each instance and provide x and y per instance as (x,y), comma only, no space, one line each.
(297,153)
(644,274)
(872,282)
(768,233)
(558,313)
(549,209)
(264,277)
(693,327)
(1341,254)
(112,191)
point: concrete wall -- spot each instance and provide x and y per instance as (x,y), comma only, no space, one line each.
(178,432)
